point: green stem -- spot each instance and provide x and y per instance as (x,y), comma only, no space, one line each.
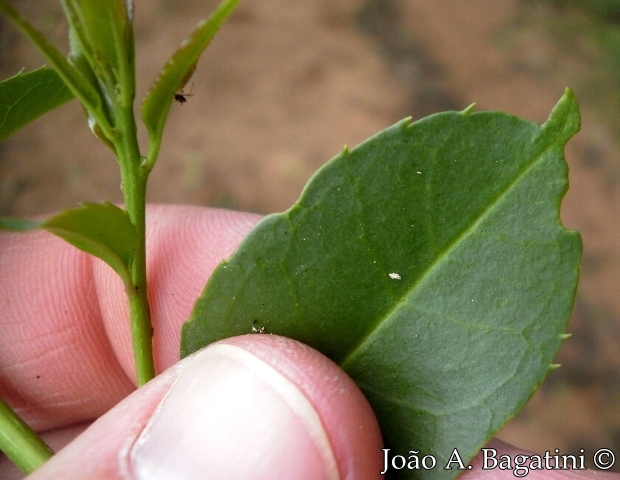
(141,329)
(134,178)
(19,442)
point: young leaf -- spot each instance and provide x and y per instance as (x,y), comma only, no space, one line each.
(430,263)
(81,63)
(101,229)
(176,73)
(27,96)
(104,33)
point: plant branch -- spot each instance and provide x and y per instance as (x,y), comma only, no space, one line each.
(134,178)
(141,328)
(19,442)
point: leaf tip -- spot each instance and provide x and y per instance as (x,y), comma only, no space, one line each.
(554,366)
(468,110)
(345,150)
(565,336)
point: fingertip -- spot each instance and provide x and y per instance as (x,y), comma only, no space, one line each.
(269,407)
(253,407)
(53,296)
(345,413)
(185,244)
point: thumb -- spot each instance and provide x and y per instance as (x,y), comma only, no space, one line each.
(251,407)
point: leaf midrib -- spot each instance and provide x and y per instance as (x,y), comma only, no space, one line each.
(442,255)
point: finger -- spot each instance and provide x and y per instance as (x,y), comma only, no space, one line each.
(184,244)
(253,407)
(65,352)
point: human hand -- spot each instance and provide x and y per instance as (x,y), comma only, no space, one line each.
(258,406)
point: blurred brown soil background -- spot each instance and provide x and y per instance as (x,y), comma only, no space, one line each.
(285,85)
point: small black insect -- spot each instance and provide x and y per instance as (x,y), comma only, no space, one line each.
(182,97)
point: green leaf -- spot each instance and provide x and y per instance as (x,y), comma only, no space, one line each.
(175,74)
(102,32)
(430,263)
(78,84)
(27,96)
(80,62)
(101,229)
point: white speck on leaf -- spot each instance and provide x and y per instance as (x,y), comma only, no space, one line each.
(394,276)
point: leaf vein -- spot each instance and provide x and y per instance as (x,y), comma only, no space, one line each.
(450,247)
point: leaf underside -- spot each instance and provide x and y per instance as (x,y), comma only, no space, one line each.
(430,263)
(26,96)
